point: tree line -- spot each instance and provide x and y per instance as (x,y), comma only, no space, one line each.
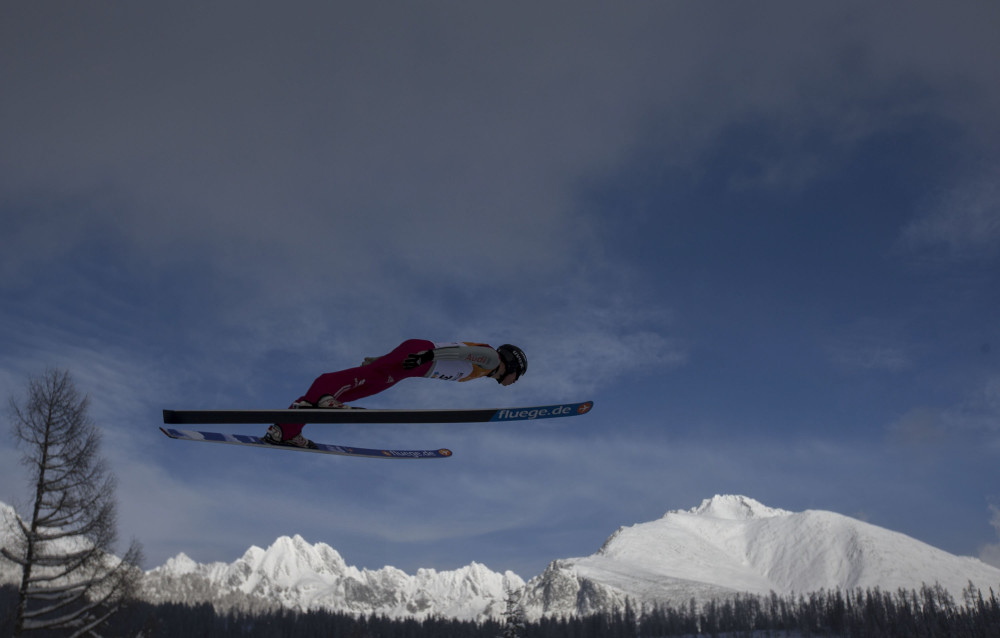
(928,612)
(873,612)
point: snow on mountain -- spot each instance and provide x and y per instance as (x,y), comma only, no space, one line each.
(9,572)
(734,544)
(726,545)
(293,573)
(12,541)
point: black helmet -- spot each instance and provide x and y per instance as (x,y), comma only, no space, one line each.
(513,360)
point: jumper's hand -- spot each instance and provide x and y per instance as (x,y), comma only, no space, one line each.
(418,359)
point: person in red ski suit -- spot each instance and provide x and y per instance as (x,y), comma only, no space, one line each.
(463,361)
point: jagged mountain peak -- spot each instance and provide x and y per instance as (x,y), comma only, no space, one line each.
(734,507)
(179,565)
(291,553)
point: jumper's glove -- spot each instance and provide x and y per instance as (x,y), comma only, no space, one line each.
(418,359)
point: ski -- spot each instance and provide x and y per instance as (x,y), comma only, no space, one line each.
(321,448)
(357,415)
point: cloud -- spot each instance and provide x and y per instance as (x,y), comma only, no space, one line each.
(921,426)
(963,225)
(990,552)
(870,355)
(428,153)
(292,155)
(596,331)
(975,418)
(871,344)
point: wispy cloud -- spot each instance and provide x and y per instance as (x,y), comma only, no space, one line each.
(990,553)
(870,356)
(871,344)
(975,418)
(963,224)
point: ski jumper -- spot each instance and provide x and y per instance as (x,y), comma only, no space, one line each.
(452,362)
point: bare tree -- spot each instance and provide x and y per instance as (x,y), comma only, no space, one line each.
(70,580)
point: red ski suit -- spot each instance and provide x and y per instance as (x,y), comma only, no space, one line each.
(452,362)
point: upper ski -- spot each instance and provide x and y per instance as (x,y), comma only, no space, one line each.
(178,417)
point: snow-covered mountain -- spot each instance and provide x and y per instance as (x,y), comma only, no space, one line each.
(734,544)
(727,545)
(295,574)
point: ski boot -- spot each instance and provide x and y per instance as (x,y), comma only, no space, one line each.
(275,436)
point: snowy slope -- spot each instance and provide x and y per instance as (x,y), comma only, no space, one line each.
(735,544)
(9,572)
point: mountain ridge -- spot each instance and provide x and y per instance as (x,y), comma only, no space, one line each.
(725,546)
(293,573)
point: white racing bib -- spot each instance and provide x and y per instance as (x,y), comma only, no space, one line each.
(462,361)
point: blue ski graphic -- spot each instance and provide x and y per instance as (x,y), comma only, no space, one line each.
(321,448)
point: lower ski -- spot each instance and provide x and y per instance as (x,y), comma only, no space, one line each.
(321,448)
